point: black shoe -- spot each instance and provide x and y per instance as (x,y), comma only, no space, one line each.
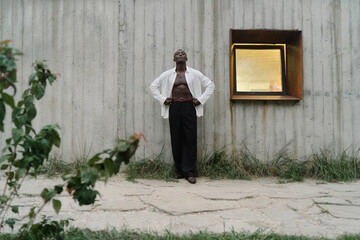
(178,176)
(191,180)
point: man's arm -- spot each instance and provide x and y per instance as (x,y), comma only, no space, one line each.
(155,89)
(208,87)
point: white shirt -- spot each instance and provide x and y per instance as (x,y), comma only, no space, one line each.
(162,87)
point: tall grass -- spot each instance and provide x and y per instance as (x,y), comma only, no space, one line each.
(331,167)
(151,168)
(55,166)
(86,234)
(81,154)
(218,164)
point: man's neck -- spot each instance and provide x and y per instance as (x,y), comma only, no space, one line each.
(180,67)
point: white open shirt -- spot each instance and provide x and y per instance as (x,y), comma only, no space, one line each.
(162,87)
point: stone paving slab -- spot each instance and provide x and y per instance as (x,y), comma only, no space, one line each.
(307,208)
(347,212)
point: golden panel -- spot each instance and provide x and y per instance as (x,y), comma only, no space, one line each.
(258,70)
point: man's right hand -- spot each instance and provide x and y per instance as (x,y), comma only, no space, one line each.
(168,101)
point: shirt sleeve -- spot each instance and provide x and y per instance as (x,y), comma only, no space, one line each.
(208,87)
(155,89)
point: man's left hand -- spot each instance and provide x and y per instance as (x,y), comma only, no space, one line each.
(196,102)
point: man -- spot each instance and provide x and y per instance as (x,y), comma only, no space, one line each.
(179,91)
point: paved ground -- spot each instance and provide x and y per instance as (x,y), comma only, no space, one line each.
(309,208)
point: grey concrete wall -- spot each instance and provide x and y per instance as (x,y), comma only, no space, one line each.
(108,52)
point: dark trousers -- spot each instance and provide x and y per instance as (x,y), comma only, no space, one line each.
(183,131)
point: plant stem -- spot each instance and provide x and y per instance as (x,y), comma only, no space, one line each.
(5,187)
(8,176)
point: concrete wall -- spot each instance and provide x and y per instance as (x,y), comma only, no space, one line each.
(109,51)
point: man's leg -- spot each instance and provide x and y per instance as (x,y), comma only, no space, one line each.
(189,126)
(176,135)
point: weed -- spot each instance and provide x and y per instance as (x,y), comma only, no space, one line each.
(81,155)
(249,197)
(55,166)
(217,164)
(151,168)
(330,167)
(325,211)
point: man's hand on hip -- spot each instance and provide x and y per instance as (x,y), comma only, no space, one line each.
(196,102)
(168,101)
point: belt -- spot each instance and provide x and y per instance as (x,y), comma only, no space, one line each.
(182,100)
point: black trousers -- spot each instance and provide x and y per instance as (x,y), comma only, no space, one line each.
(183,131)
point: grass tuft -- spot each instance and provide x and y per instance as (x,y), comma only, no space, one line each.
(55,166)
(151,168)
(330,167)
(217,165)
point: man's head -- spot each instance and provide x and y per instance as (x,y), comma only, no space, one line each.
(180,56)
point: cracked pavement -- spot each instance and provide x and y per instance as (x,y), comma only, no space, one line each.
(309,208)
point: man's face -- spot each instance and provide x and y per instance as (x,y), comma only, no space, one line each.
(180,56)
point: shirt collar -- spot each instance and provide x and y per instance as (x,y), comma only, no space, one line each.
(187,69)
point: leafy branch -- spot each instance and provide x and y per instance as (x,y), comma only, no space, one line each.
(26,150)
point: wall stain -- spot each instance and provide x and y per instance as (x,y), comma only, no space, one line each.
(263,120)
(232,126)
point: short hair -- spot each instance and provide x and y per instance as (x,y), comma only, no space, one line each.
(180,49)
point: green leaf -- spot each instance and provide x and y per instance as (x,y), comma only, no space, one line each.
(10,222)
(4,166)
(11,65)
(109,167)
(9,100)
(25,93)
(18,119)
(29,101)
(45,143)
(12,84)
(56,205)
(89,176)
(32,213)
(85,196)
(4,199)
(56,139)
(117,163)
(58,189)
(123,146)
(15,209)
(11,175)
(5,157)
(31,113)
(32,77)
(17,134)
(20,173)
(47,195)
(38,90)
(94,159)
(12,75)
